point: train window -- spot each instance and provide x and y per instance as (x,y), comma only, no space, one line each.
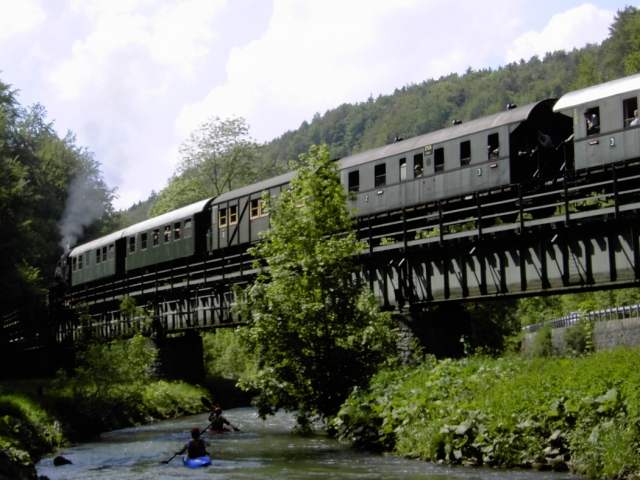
(465,153)
(143,241)
(592,120)
(104,254)
(493,146)
(630,112)
(132,244)
(167,233)
(380,175)
(176,231)
(187,228)
(74,264)
(80,262)
(222,217)
(155,239)
(438,159)
(255,208)
(111,250)
(87,260)
(233,214)
(354,181)
(418,165)
(403,169)
(97,256)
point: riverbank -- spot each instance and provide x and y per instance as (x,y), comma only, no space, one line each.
(579,414)
(39,417)
(113,386)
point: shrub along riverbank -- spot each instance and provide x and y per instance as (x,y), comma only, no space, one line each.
(581,414)
(112,388)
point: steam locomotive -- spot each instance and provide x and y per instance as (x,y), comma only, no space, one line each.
(525,146)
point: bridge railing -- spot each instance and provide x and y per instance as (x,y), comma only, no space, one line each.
(612,313)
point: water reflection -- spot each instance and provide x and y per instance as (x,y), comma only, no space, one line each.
(263,450)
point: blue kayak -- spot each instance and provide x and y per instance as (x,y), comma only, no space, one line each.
(196,462)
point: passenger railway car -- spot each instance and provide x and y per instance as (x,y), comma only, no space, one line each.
(514,146)
(526,146)
(605,122)
(177,234)
(98,259)
(238,216)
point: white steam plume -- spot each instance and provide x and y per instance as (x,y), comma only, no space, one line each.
(84,206)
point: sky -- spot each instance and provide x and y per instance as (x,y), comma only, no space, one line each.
(133,78)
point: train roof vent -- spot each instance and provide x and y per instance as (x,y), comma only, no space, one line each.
(456,122)
(511,106)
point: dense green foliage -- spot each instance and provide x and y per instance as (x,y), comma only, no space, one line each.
(226,356)
(315,329)
(115,385)
(558,413)
(38,172)
(26,427)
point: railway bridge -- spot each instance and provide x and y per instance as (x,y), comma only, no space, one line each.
(570,235)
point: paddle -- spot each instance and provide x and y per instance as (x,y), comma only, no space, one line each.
(174,456)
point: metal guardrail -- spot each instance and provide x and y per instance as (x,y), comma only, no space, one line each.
(612,313)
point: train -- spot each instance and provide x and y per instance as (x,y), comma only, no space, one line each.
(523,145)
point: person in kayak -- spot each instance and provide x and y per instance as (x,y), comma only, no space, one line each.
(196,447)
(217,422)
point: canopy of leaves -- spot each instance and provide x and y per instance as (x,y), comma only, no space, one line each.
(37,169)
(316,331)
(219,156)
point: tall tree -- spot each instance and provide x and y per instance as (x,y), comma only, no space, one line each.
(219,156)
(38,169)
(316,330)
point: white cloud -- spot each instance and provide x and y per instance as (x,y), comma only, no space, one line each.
(567,30)
(19,17)
(173,35)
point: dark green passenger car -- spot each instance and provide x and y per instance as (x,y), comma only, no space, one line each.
(97,259)
(173,235)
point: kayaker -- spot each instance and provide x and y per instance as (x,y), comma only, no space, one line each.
(196,447)
(217,422)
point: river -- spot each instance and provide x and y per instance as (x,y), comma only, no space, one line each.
(262,450)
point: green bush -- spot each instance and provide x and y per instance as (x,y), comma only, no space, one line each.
(579,338)
(547,413)
(542,343)
(114,386)
(226,357)
(25,425)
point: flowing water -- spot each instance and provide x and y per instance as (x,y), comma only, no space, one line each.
(262,450)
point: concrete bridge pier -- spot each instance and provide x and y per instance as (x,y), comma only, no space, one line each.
(180,357)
